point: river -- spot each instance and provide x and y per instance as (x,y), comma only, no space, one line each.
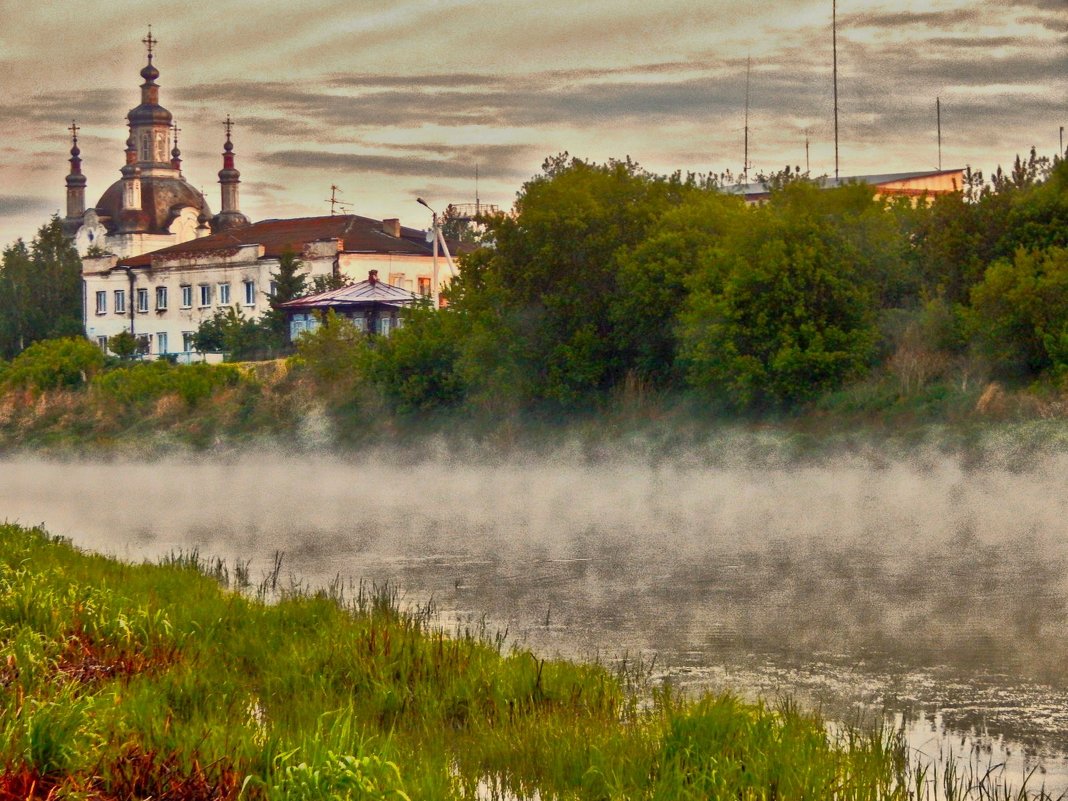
(924,591)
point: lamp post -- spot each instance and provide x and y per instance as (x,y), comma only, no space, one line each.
(434,262)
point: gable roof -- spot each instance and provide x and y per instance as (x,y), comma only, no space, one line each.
(361,293)
(355,234)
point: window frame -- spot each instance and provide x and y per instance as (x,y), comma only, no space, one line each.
(161,293)
(187,293)
(101,301)
(202,289)
(120,301)
(142,300)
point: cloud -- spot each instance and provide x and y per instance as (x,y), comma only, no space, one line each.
(25,204)
(899,19)
(388,165)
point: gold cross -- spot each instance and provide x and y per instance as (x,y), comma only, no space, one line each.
(228,125)
(150,42)
(74,130)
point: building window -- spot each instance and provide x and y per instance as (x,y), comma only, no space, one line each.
(274,288)
(224,294)
(205,295)
(250,293)
(187,341)
(102,343)
(424,286)
(187,296)
(120,301)
(161,298)
(384,326)
(360,322)
(101,302)
(142,300)
(161,342)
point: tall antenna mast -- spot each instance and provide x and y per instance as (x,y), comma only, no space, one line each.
(938,116)
(834,47)
(477,202)
(745,157)
(336,202)
(808,169)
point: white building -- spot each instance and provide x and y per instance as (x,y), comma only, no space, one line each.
(157,263)
(163,296)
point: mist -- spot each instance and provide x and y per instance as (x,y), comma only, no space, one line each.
(923,583)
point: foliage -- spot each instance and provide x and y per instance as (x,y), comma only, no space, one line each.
(138,681)
(416,367)
(229,331)
(1020,311)
(55,364)
(40,290)
(148,381)
(289,284)
(123,344)
(327,283)
(779,315)
(334,351)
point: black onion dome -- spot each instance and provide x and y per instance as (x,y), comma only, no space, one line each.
(150,73)
(161,201)
(149,114)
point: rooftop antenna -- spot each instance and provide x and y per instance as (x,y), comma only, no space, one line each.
(808,170)
(1062,142)
(745,155)
(477,201)
(335,202)
(938,116)
(834,48)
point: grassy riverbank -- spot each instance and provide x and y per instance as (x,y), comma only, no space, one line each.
(133,681)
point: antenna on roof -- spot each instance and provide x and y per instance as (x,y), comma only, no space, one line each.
(808,170)
(477,202)
(337,204)
(938,117)
(834,46)
(745,155)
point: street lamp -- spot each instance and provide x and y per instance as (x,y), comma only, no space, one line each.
(434,279)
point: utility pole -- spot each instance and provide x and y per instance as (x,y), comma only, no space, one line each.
(808,170)
(1062,142)
(938,116)
(834,48)
(434,257)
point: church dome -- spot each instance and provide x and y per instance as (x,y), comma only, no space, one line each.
(162,200)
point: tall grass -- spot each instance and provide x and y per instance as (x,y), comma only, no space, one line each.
(131,681)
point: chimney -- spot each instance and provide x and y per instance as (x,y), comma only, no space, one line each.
(372,277)
(392,227)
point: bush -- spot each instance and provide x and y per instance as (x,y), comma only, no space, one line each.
(148,381)
(333,351)
(55,363)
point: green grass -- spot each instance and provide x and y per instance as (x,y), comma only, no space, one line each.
(122,681)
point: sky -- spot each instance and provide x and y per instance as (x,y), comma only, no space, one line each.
(398,100)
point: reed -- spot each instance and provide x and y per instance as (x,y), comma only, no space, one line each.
(183,681)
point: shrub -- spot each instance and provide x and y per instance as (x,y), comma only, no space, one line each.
(148,381)
(333,351)
(55,363)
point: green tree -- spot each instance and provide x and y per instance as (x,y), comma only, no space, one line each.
(1020,312)
(289,284)
(123,344)
(554,277)
(230,332)
(416,367)
(780,314)
(40,290)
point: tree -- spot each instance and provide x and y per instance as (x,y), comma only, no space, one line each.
(553,272)
(40,290)
(778,314)
(229,331)
(123,344)
(289,284)
(1020,312)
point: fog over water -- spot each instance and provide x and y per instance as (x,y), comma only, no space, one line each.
(931,591)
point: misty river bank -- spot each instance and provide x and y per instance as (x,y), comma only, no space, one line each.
(929,589)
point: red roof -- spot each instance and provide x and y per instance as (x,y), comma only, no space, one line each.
(356,234)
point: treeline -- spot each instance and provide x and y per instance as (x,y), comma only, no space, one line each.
(610,280)
(40,290)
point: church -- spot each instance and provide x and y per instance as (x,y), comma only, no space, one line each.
(157,262)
